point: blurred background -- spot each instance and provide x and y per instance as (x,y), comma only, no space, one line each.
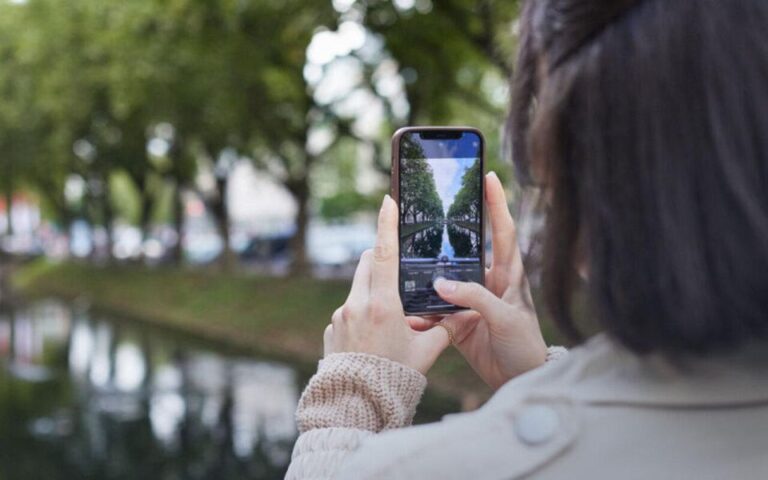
(186,188)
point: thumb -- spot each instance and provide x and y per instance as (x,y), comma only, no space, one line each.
(328,340)
(469,294)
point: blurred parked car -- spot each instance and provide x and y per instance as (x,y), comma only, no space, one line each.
(261,249)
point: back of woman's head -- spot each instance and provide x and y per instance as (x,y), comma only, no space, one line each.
(646,123)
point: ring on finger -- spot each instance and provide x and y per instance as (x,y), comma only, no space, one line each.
(449,331)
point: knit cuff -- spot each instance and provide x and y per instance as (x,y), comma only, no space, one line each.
(362,391)
(555,353)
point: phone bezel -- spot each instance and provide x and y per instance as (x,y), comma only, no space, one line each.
(395,194)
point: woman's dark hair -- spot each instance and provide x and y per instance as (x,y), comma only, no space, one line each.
(646,124)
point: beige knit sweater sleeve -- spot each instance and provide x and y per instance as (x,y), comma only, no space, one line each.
(351,397)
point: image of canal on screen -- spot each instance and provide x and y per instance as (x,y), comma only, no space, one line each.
(440,222)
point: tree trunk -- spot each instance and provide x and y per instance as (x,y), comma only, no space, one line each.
(61,212)
(145,219)
(299,188)
(221,215)
(90,211)
(12,336)
(8,183)
(8,209)
(109,218)
(177,254)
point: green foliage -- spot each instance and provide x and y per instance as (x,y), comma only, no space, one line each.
(346,203)
(456,57)
(225,75)
(124,197)
(419,200)
(466,204)
(447,51)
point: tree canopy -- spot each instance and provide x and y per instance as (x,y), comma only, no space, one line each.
(419,200)
(466,204)
(148,96)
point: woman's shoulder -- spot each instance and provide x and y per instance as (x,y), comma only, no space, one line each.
(493,442)
(600,410)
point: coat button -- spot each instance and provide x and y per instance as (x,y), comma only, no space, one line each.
(536,424)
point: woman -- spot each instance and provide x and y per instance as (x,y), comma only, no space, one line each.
(645,124)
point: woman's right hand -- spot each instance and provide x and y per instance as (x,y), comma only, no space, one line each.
(503,339)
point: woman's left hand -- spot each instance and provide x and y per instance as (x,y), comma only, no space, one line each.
(372,319)
(501,337)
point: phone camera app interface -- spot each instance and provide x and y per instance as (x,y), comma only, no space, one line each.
(440,216)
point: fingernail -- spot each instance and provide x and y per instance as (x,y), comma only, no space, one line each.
(445,286)
(385,202)
(492,174)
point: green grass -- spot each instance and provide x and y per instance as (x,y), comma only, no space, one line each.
(468,225)
(281,317)
(272,313)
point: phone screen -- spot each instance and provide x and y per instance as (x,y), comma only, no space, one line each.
(441,212)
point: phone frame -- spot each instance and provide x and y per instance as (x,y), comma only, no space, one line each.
(395,194)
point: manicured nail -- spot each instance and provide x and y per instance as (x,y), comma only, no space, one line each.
(445,286)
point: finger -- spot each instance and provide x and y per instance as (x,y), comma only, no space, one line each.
(384,266)
(421,324)
(328,340)
(336,317)
(461,324)
(361,282)
(437,338)
(502,226)
(518,291)
(471,295)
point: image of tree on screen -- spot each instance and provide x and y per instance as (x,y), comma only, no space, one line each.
(419,200)
(440,208)
(466,205)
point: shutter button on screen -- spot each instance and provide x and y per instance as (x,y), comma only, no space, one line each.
(444,275)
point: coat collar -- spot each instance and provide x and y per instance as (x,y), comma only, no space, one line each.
(601,371)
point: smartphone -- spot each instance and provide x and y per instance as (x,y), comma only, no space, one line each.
(437,181)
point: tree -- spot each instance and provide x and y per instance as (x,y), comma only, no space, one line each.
(87,85)
(40,115)
(455,57)
(418,194)
(466,204)
(229,78)
(279,141)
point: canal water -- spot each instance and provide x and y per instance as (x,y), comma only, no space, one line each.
(440,240)
(85,396)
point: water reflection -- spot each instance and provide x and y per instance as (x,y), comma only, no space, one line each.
(85,397)
(449,240)
(465,242)
(425,243)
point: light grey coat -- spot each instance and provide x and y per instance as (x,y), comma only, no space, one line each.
(600,413)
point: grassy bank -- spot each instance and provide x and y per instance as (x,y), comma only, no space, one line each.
(284,318)
(412,228)
(473,226)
